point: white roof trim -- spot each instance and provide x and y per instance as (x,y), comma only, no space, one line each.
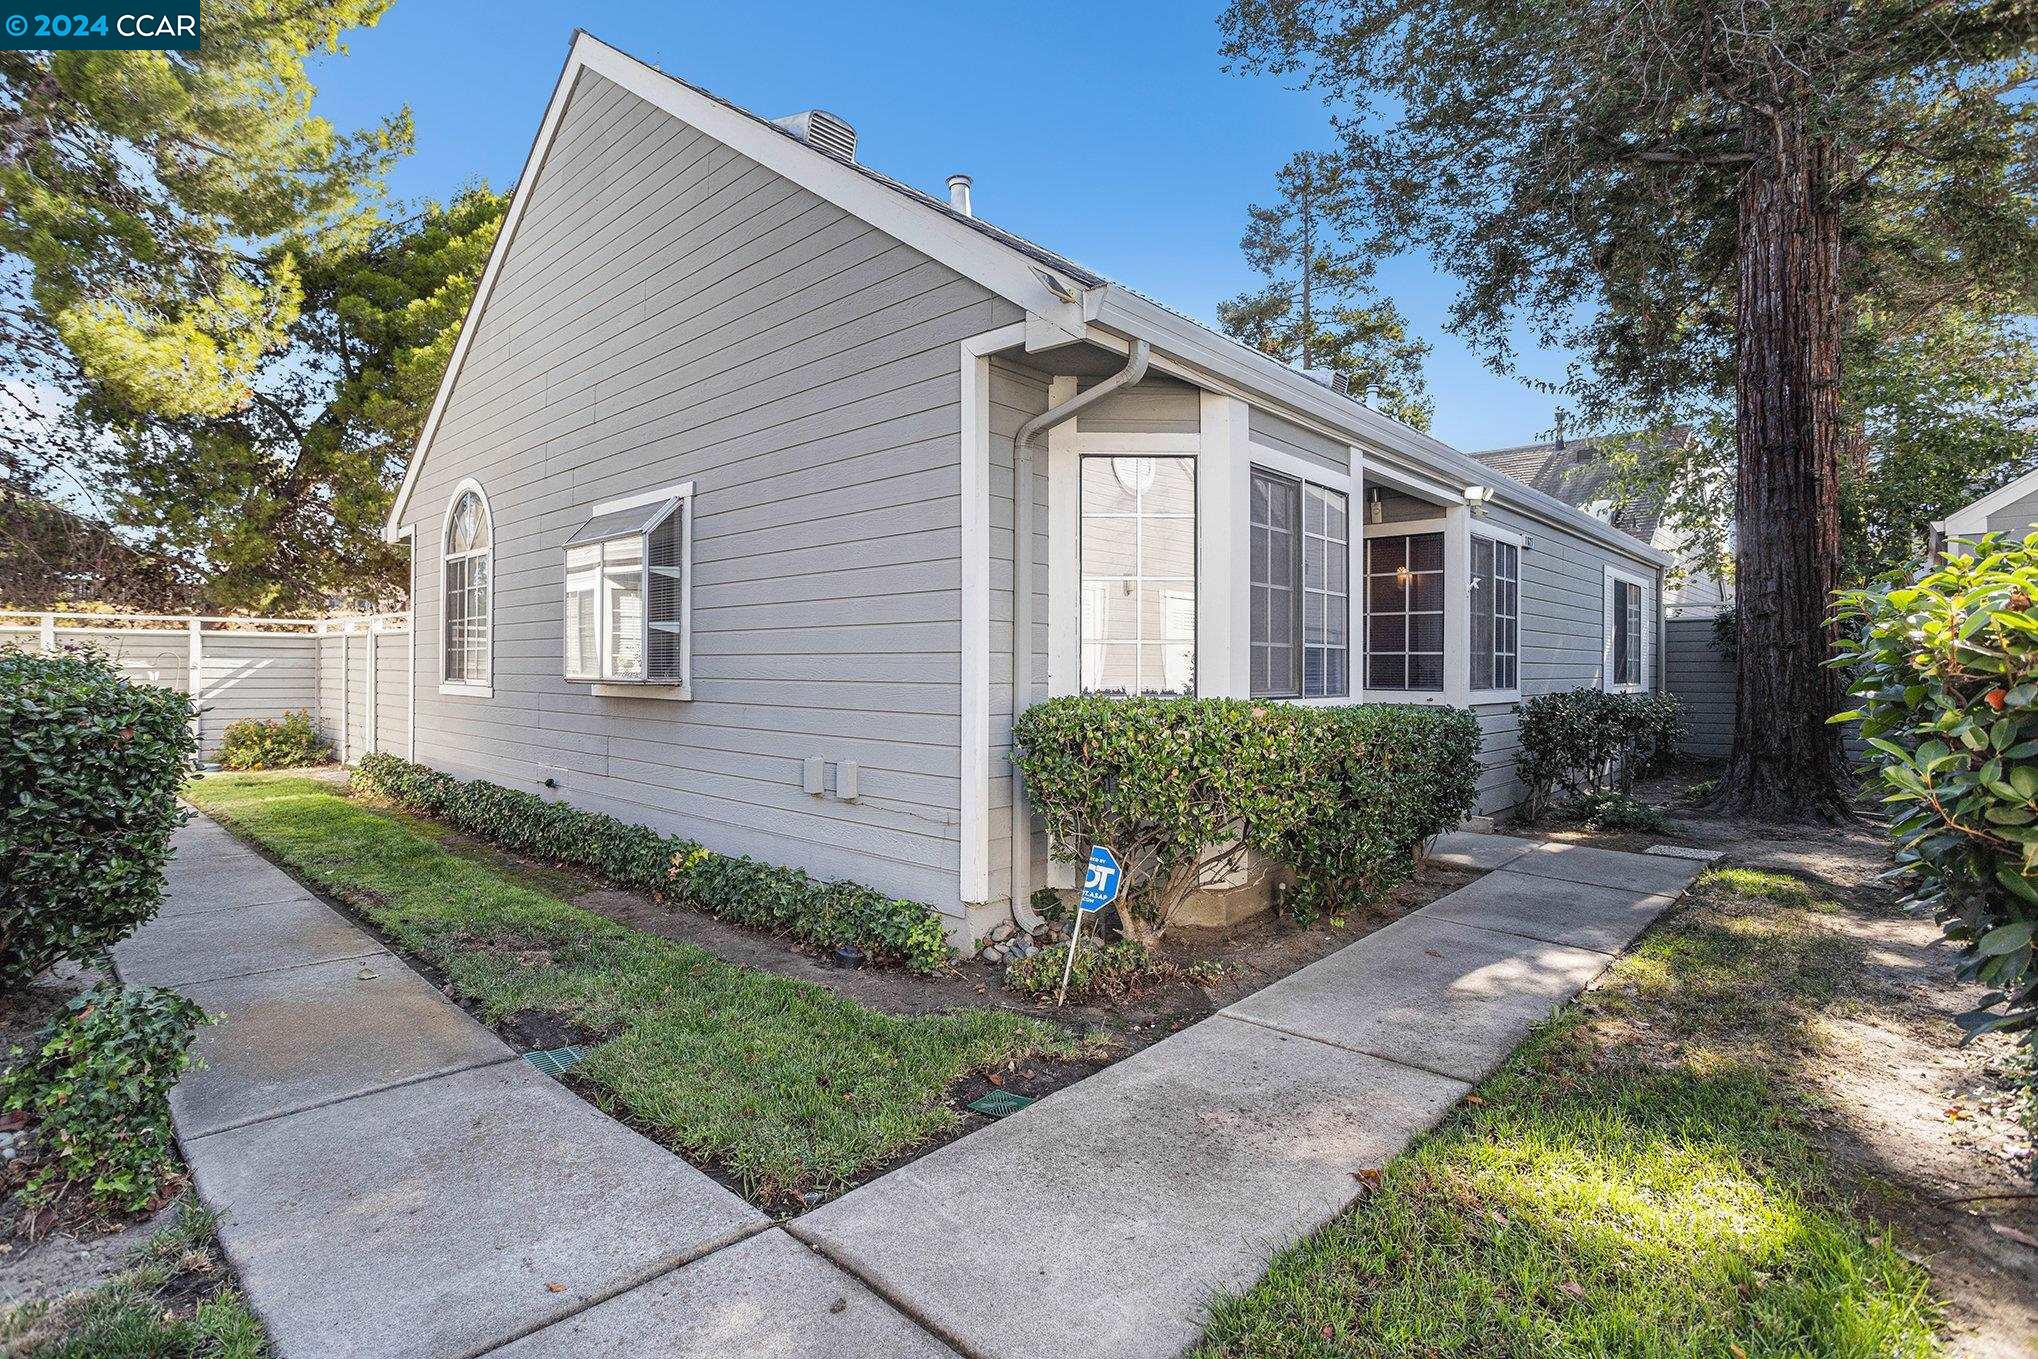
(1004,270)
(1974,518)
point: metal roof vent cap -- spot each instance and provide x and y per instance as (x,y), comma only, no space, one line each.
(1331,378)
(958,194)
(823,131)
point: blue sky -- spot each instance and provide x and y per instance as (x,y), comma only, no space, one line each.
(1109,132)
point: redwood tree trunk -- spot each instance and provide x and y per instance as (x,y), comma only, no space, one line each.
(1786,763)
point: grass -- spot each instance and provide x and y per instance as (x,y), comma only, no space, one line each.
(172,1301)
(790,1087)
(1635,1181)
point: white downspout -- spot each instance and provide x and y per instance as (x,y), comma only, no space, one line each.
(1022,586)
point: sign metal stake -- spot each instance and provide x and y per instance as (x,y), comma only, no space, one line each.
(1101,883)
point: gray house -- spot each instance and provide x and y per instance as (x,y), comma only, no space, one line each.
(2011,509)
(713,520)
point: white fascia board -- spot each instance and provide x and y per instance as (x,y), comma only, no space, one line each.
(989,262)
(1973,518)
(1278,385)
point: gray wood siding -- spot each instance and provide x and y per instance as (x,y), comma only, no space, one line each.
(667,312)
(1702,681)
(392,692)
(1563,638)
(2018,518)
(1158,405)
(1270,430)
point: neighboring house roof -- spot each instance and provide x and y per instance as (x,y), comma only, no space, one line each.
(1066,298)
(1973,517)
(1577,472)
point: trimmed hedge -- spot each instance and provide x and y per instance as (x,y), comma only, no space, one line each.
(784,900)
(1585,743)
(1184,789)
(90,765)
(286,742)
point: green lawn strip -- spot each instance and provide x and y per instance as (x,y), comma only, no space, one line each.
(788,1085)
(1633,1182)
(144,1312)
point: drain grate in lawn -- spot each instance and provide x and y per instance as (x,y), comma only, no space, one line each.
(788,1088)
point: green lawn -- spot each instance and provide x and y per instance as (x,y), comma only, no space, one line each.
(1636,1181)
(788,1085)
(175,1300)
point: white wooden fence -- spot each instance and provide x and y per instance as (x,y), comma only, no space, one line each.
(354,675)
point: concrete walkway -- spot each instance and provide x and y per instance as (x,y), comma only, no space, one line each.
(394,1181)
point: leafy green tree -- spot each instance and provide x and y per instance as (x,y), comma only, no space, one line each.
(152,207)
(283,497)
(1692,197)
(1317,308)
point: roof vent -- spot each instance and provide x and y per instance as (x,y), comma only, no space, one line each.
(958,193)
(1330,378)
(823,131)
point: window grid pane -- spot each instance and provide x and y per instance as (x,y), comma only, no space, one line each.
(1627,633)
(1276,603)
(1138,575)
(1326,600)
(1405,612)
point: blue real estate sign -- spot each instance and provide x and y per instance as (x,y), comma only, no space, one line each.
(1100,883)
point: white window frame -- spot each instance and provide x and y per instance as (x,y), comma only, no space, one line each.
(1519,542)
(682,494)
(1641,583)
(468,688)
(1322,482)
(1195,577)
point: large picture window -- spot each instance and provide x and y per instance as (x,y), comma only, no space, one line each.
(466,578)
(1139,575)
(626,615)
(1300,589)
(1405,612)
(1496,614)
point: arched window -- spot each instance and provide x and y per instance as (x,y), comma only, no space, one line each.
(467,589)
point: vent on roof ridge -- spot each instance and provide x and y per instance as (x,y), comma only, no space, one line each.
(823,131)
(1330,378)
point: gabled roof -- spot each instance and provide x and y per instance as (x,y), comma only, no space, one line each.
(1021,271)
(1578,472)
(1973,517)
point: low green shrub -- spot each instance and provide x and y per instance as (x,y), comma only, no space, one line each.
(286,742)
(1185,789)
(784,900)
(1105,968)
(97,1084)
(1613,812)
(1945,669)
(1585,741)
(90,765)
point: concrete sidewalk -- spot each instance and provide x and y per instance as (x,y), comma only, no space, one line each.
(394,1181)
(1135,1197)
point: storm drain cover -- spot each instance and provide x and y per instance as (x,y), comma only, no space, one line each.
(999,1103)
(556,1062)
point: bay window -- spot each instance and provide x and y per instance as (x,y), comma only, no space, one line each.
(626,611)
(1138,555)
(1301,596)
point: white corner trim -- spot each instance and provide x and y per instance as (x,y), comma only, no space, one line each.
(1064,564)
(974,371)
(446,686)
(1223,538)
(1642,583)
